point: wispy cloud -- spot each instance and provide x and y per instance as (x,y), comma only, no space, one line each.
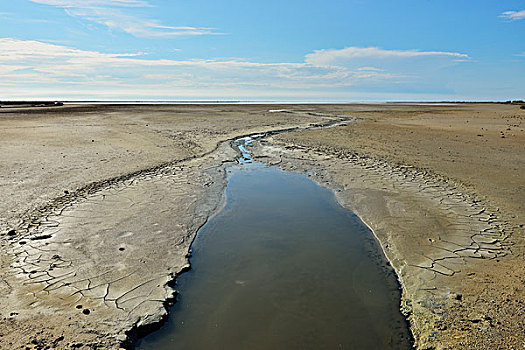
(12,17)
(90,3)
(336,56)
(34,65)
(116,15)
(513,15)
(65,72)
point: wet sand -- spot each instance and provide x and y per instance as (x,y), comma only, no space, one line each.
(91,267)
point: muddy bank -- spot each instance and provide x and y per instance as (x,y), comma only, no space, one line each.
(283,265)
(455,242)
(52,152)
(108,258)
(91,267)
(85,267)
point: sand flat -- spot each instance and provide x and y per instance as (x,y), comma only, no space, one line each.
(442,186)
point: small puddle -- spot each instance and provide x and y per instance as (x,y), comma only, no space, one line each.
(283,266)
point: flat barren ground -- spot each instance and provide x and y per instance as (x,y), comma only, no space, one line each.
(99,205)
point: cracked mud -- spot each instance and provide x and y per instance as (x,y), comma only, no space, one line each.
(93,233)
(113,252)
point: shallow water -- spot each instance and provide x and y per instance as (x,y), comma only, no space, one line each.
(283,266)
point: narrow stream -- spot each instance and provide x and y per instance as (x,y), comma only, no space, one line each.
(283,266)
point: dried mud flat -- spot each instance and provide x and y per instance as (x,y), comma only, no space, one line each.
(101,203)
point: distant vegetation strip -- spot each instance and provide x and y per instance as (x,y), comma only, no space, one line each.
(30,103)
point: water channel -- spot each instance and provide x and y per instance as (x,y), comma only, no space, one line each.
(283,266)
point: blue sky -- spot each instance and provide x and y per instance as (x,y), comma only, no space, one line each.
(287,50)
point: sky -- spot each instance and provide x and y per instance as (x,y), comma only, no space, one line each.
(272,50)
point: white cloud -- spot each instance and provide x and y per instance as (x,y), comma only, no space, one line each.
(90,3)
(5,69)
(369,69)
(35,63)
(513,15)
(114,15)
(29,65)
(336,56)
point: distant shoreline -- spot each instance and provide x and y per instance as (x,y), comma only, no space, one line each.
(57,103)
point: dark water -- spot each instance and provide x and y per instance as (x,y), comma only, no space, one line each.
(283,266)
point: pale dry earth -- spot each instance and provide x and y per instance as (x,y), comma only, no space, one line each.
(92,267)
(46,151)
(99,207)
